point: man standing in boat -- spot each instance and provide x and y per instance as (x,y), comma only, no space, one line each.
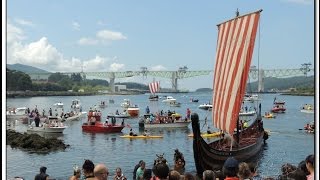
(188,113)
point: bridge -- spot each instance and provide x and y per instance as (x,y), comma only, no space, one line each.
(183,72)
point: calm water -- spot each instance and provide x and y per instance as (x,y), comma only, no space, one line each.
(286,143)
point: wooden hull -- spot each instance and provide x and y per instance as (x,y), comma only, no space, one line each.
(101,128)
(153,98)
(213,155)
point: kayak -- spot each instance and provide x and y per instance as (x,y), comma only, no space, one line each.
(270,116)
(214,134)
(141,136)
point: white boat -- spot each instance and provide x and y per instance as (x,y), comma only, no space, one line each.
(52,125)
(126,103)
(76,104)
(251,97)
(247,113)
(175,104)
(307,111)
(205,106)
(73,116)
(122,115)
(17,113)
(175,124)
(58,105)
(307,108)
(169,99)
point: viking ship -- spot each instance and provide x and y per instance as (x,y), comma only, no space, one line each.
(235,44)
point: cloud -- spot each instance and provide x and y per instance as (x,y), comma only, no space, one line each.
(114,67)
(37,53)
(75,26)
(304,2)
(158,68)
(23,22)
(46,56)
(88,41)
(96,64)
(14,33)
(103,37)
(110,35)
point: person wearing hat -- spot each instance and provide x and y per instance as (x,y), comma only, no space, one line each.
(42,175)
(230,169)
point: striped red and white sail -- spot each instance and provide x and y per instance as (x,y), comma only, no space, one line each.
(154,87)
(235,45)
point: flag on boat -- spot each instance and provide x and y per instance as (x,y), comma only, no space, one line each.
(234,51)
(154,87)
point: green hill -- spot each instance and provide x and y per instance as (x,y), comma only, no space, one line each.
(284,83)
(25,68)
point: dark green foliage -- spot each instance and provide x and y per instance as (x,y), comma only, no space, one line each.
(76,77)
(96,82)
(55,77)
(18,81)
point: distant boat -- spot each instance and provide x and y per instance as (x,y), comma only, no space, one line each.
(154,87)
(169,99)
(194,100)
(205,107)
(76,104)
(307,108)
(17,113)
(251,97)
(95,125)
(58,105)
(51,125)
(175,104)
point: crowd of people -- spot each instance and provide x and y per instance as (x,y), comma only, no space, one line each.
(232,169)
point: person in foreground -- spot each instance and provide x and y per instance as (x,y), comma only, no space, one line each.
(42,175)
(160,168)
(310,166)
(119,175)
(101,172)
(88,168)
(230,169)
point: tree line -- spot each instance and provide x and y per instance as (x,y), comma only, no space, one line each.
(20,81)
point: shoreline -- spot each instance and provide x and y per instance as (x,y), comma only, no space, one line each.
(19,94)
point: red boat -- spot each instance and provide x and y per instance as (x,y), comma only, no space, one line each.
(278,108)
(102,127)
(94,124)
(133,111)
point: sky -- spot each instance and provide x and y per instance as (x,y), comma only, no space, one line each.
(104,35)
